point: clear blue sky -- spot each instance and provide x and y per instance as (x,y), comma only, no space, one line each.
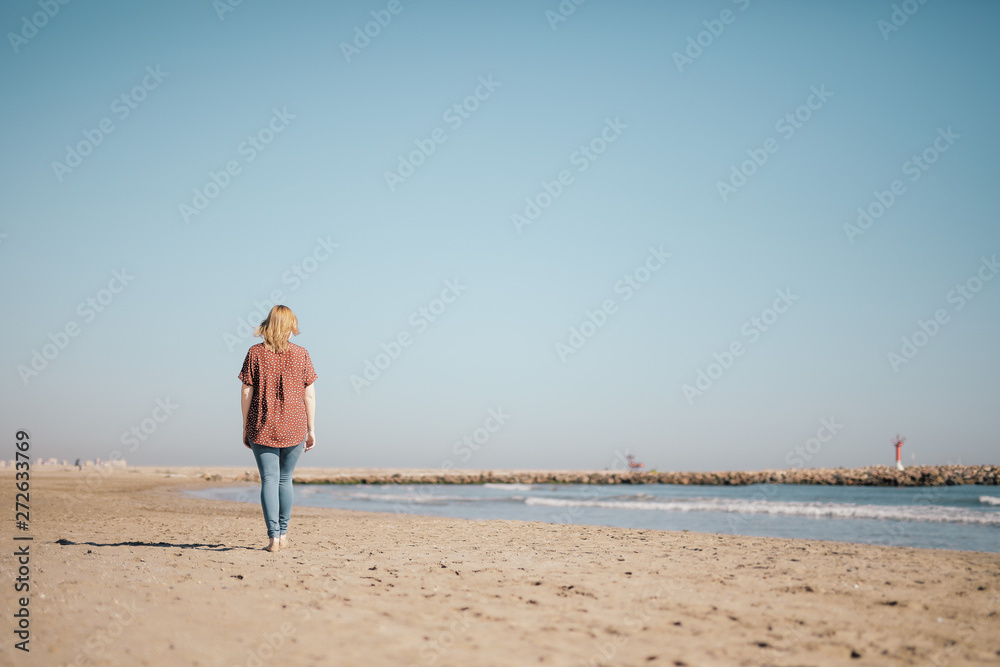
(201,87)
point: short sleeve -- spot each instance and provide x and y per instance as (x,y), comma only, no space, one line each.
(247,373)
(308,374)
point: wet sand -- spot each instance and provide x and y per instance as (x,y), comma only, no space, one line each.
(125,569)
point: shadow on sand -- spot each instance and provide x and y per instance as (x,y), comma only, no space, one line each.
(171,545)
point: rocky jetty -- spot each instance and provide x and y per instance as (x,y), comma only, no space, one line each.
(948,475)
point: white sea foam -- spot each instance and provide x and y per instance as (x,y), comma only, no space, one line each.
(509,487)
(415,497)
(807,509)
(989,500)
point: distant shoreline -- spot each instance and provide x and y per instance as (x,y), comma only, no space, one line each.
(925,476)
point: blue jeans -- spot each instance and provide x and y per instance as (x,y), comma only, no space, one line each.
(276,465)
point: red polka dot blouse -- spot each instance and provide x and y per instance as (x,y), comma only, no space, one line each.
(277,415)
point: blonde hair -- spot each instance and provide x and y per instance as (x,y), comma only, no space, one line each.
(277,328)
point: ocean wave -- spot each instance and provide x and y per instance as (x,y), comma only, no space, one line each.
(807,509)
(415,498)
(508,487)
(989,500)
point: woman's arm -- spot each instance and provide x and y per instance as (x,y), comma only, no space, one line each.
(245,397)
(310,400)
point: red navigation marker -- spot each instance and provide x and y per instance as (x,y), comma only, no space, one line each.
(899,449)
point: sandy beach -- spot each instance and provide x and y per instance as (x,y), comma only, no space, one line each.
(126,569)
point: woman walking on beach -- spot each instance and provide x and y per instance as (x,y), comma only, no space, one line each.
(279,408)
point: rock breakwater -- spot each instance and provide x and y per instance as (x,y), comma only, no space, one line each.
(947,475)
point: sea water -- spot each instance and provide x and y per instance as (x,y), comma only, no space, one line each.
(950,517)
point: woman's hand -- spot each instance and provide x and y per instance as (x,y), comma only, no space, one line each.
(246,441)
(309,398)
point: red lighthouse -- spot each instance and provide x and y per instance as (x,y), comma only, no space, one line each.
(899,451)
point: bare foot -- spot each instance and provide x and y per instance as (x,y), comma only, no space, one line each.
(283,541)
(273,545)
